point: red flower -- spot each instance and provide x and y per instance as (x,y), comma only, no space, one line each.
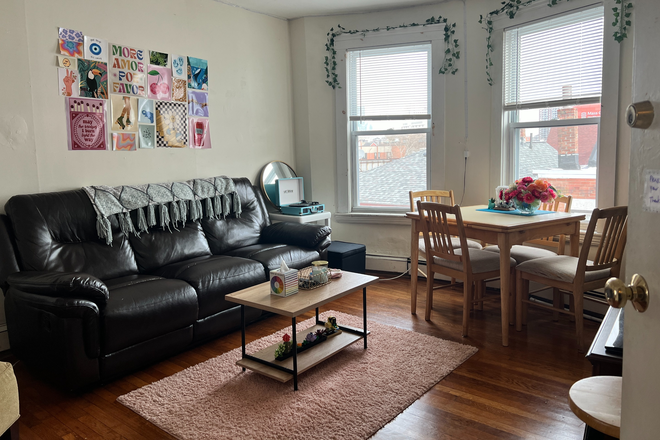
(527,180)
(537,194)
(552,193)
(529,198)
(545,196)
(286,337)
(520,197)
(501,194)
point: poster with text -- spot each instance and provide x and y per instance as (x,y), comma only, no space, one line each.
(179,69)
(123,142)
(124,113)
(71,35)
(198,74)
(146,112)
(128,68)
(93,79)
(179,90)
(71,48)
(199,133)
(67,62)
(96,49)
(198,103)
(68,83)
(171,124)
(86,127)
(147,135)
(160,83)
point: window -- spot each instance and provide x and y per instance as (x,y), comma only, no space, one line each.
(552,87)
(389,101)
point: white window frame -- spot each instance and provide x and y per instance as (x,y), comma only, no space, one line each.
(502,142)
(433,34)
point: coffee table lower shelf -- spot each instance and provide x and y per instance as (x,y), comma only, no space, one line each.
(307,359)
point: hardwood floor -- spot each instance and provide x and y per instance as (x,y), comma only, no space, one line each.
(511,392)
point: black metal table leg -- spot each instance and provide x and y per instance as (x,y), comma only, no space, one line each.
(364,315)
(295,355)
(243,330)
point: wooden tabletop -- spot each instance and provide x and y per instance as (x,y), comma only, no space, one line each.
(597,402)
(507,222)
(259,296)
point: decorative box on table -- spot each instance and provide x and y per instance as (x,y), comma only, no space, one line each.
(283,281)
(290,197)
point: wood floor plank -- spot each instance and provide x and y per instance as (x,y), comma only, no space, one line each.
(511,392)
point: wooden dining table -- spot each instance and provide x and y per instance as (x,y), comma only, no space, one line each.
(504,230)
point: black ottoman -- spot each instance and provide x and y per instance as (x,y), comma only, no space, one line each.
(351,257)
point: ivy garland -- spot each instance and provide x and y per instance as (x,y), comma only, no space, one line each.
(621,22)
(451,47)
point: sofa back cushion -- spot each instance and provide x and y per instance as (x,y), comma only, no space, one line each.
(160,247)
(57,231)
(235,232)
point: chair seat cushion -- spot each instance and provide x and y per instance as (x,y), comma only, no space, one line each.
(480,260)
(143,307)
(560,268)
(524,253)
(455,242)
(8,397)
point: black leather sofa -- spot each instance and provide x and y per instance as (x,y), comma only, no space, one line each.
(82,312)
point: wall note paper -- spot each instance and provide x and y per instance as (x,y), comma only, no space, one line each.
(68,83)
(124,113)
(123,142)
(179,69)
(179,90)
(198,103)
(199,133)
(128,68)
(71,35)
(160,83)
(71,48)
(86,128)
(171,124)
(147,135)
(146,112)
(198,74)
(652,190)
(93,79)
(96,49)
(67,62)
(158,58)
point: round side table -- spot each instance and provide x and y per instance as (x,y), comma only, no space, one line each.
(597,402)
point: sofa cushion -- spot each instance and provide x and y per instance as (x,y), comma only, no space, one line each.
(142,307)
(271,255)
(57,232)
(161,247)
(235,232)
(213,277)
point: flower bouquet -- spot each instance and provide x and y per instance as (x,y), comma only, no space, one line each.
(527,194)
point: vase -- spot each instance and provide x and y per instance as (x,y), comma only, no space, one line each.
(527,208)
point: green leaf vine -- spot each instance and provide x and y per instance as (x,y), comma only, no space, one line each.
(451,54)
(622,19)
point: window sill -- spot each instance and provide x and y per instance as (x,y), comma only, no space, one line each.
(372,218)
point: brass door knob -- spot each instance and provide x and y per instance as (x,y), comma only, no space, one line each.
(617,293)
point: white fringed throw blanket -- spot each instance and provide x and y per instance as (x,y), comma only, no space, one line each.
(175,201)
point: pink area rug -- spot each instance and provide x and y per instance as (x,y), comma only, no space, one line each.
(349,396)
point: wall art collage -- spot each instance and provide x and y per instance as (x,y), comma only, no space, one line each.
(125,97)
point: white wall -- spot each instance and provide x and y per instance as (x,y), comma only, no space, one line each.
(250,93)
(314,120)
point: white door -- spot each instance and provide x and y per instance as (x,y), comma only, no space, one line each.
(640,417)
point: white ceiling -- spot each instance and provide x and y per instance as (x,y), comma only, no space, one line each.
(289,9)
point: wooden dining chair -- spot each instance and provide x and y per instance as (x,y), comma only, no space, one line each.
(576,275)
(529,251)
(472,266)
(435,196)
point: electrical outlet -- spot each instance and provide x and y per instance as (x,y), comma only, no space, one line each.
(466,154)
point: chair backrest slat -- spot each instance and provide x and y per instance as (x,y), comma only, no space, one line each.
(432,195)
(612,240)
(560,204)
(434,221)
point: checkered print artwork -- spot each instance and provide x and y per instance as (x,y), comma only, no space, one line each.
(171,124)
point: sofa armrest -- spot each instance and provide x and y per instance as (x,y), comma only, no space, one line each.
(297,234)
(61,285)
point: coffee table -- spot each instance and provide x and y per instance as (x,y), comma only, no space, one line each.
(259,297)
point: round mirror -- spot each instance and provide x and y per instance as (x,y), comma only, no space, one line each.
(269,175)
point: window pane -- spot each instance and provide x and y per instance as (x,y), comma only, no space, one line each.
(566,157)
(408,124)
(390,166)
(553,113)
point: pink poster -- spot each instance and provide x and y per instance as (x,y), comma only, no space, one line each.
(86,127)
(160,83)
(199,133)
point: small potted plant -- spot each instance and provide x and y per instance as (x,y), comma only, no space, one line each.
(491,203)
